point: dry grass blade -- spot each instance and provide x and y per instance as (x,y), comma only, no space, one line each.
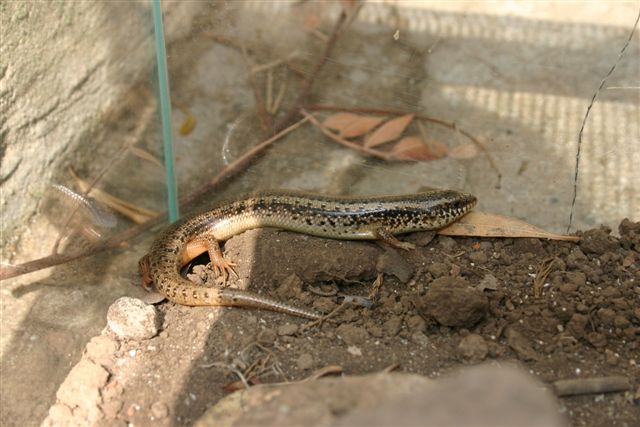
(541,275)
(145,155)
(137,214)
(389,131)
(482,224)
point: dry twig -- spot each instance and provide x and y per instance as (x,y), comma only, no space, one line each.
(595,385)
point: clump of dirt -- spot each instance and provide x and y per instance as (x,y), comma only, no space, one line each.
(448,303)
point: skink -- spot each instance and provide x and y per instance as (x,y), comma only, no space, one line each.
(332,217)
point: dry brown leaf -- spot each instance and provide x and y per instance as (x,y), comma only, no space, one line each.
(351,125)
(483,224)
(413,148)
(389,131)
(464,151)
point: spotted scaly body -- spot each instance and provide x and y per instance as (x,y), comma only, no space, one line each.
(332,217)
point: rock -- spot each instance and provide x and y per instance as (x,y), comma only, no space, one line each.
(420,338)
(520,344)
(597,241)
(438,269)
(421,238)
(621,322)
(374,330)
(473,348)
(483,395)
(453,302)
(568,288)
(267,337)
(324,305)
(597,339)
(305,361)
(576,258)
(130,318)
(352,335)
(577,325)
(526,245)
(58,415)
(577,278)
(392,263)
(416,323)
(287,329)
(290,288)
(606,316)
(478,257)
(101,348)
(630,234)
(159,410)
(611,357)
(81,391)
(620,304)
(489,282)
(447,243)
(392,326)
(610,292)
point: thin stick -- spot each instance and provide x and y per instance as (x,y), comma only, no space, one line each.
(586,115)
(594,385)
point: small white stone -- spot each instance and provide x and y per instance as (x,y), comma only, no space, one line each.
(130,318)
(354,351)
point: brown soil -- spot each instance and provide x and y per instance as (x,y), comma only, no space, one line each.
(449,302)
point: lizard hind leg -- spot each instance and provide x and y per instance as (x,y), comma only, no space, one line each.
(221,267)
(387,237)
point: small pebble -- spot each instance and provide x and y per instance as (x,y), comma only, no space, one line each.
(287,329)
(159,410)
(453,302)
(473,348)
(621,322)
(305,361)
(352,334)
(392,263)
(392,326)
(420,339)
(416,323)
(130,318)
(267,337)
(478,257)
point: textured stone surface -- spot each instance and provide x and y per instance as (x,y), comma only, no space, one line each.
(130,318)
(453,302)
